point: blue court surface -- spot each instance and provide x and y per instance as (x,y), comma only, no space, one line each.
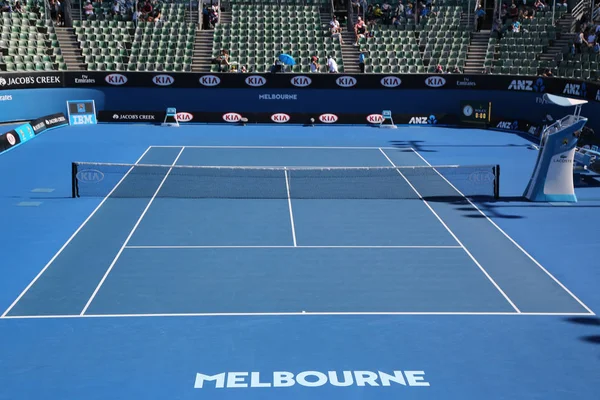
(281,286)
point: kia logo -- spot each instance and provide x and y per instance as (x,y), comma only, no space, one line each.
(116,79)
(375,118)
(11,139)
(184,117)
(90,176)
(209,80)
(390,81)
(435,81)
(328,118)
(163,80)
(255,80)
(232,117)
(280,118)
(345,81)
(301,81)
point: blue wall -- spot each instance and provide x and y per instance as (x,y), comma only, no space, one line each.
(27,104)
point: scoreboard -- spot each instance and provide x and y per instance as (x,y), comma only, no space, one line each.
(475,112)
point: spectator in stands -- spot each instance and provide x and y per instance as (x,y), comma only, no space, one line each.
(360,29)
(355,6)
(539,5)
(137,16)
(456,70)
(314,64)
(596,48)
(409,11)
(222,60)
(332,66)
(516,26)
(548,73)
(5,7)
(88,9)
(591,37)
(438,69)
(336,30)
(361,61)
(17,7)
(562,5)
(513,12)
(480,15)
(580,42)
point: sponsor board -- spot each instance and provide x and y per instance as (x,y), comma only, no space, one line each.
(301,81)
(527,85)
(25,132)
(184,117)
(286,379)
(508,125)
(328,118)
(465,83)
(575,89)
(346,81)
(232,117)
(390,81)
(255,81)
(163,80)
(423,120)
(6,97)
(280,118)
(130,116)
(116,79)
(90,176)
(374,118)
(8,140)
(30,80)
(84,79)
(435,81)
(209,80)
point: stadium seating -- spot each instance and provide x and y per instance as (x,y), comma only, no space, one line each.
(258,34)
(111,44)
(29,41)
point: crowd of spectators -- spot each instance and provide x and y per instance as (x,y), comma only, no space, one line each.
(513,14)
(15,7)
(588,36)
(146,10)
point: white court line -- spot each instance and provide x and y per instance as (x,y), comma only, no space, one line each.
(294,147)
(72,237)
(507,236)
(287,187)
(292,247)
(114,261)
(454,236)
(302,314)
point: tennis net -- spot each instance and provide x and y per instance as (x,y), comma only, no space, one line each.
(165,181)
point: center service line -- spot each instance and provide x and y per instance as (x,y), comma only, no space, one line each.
(289,198)
(453,235)
(112,264)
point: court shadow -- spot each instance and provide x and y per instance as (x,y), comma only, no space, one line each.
(485,204)
(594,339)
(589,321)
(415,144)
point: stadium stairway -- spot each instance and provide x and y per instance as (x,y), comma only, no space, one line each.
(476,52)
(466,23)
(350,54)
(203,45)
(191,17)
(70,49)
(225,17)
(564,39)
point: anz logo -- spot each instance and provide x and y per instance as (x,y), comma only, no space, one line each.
(527,85)
(575,89)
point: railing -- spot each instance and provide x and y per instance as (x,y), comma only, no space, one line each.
(584,6)
(559,125)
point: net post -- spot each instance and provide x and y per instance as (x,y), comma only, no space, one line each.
(74,191)
(497,181)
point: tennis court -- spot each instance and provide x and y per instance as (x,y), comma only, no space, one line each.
(356,240)
(198,260)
